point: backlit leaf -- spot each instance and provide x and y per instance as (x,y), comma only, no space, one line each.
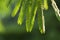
(18,5)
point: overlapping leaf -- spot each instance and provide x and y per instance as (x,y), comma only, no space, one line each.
(30,15)
(29,9)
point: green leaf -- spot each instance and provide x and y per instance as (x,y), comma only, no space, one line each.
(22,13)
(18,5)
(45,4)
(41,20)
(33,19)
(30,15)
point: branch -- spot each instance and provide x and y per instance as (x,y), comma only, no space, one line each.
(54,5)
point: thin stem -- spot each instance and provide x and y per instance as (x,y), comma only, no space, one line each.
(43,21)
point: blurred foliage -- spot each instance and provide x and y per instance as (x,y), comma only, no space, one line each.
(13,11)
(29,9)
(4,9)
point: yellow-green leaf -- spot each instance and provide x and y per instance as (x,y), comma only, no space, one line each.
(21,14)
(45,4)
(30,15)
(33,19)
(41,23)
(15,10)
